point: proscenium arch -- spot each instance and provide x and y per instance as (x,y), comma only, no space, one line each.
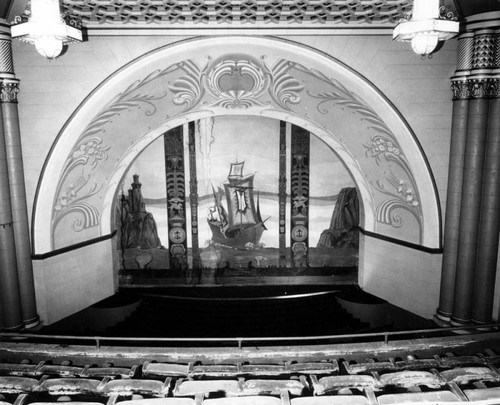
(179,83)
(367,214)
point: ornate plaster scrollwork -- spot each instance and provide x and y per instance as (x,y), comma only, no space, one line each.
(403,192)
(90,152)
(237,82)
(383,146)
(284,88)
(189,88)
(70,202)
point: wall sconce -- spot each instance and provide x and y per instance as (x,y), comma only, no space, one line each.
(426,27)
(46,29)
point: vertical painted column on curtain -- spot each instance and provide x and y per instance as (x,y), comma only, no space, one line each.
(10,301)
(299,216)
(176,198)
(193,196)
(282,196)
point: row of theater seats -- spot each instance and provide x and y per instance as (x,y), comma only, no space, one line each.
(438,379)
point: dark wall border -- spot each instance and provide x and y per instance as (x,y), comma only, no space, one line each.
(76,246)
(399,242)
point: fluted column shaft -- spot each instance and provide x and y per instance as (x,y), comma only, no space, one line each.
(470,210)
(455,176)
(453,204)
(12,135)
(10,302)
(473,200)
(21,284)
(484,286)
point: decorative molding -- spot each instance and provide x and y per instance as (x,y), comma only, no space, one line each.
(9,88)
(475,88)
(383,146)
(284,88)
(236,82)
(460,89)
(404,194)
(6,63)
(465,51)
(130,98)
(233,13)
(88,152)
(70,202)
(338,95)
(483,56)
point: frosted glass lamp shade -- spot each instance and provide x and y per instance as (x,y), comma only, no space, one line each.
(48,46)
(423,43)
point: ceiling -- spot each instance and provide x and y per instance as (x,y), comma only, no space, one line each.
(120,16)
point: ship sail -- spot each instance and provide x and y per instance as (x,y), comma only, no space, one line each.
(242,223)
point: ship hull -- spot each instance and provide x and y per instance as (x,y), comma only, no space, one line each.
(237,237)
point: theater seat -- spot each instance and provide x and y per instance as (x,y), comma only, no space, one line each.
(334,383)
(263,369)
(320,367)
(141,387)
(20,369)
(331,400)
(158,401)
(249,400)
(165,369)
(214,370)
(465,375)
(17,385)
(482,394)
(69,386)
(272,387)
(418,398)
(192,388)
(365,368)
(411,378)
(110,372)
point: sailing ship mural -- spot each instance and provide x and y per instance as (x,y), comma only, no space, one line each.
(241,199)
(241,225)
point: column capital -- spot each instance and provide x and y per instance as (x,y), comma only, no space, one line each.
(8,90)
(475,87)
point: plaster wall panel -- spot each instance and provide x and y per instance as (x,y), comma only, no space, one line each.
(403,276)
(71,281)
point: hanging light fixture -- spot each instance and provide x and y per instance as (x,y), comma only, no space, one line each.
(426,27)
(46,29)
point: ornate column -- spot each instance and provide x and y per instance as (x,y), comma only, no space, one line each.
(455,175)
(490,204)
(10,302)
(472,211)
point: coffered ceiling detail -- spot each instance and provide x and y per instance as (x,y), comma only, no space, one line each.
(238,11)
